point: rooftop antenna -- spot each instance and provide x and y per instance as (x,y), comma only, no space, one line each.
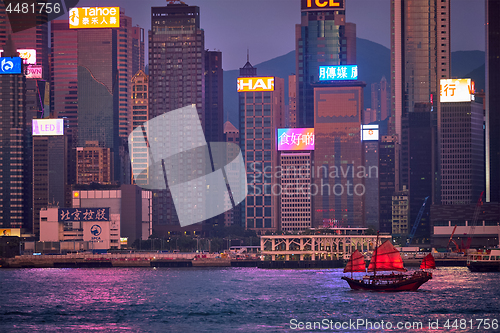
(248,55)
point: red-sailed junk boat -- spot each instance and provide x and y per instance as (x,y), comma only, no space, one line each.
(387,258)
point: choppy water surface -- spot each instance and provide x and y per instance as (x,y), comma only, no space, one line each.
(234,300)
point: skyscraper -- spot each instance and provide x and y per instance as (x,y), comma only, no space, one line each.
(214,108)
(339,192)
(261,104)
(492,101)
(140,114)
(98,91)
(176,68)
(14,207)
(322,38)
(231,134)
(420,54)
(388,179)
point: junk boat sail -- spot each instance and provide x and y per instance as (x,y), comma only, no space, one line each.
(387,258)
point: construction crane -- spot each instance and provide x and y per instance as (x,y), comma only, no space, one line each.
(417,223)
(474,221)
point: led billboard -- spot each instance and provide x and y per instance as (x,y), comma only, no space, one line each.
(10,232)
(295,138)
(251,84)
(10,65)
(48,127)
(28,56)
(308,5)
(94,17)
(369,133)
(456,90)
(33,72)
(338,73)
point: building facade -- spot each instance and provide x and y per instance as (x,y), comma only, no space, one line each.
(93,164)
(420,55)
(338,169)
(492,101)
(176,79)
(388,179)
(139,155)
(322,38)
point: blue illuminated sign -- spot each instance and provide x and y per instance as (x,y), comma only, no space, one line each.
(336,73)
(10,65)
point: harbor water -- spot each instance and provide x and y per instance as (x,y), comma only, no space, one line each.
(238,300)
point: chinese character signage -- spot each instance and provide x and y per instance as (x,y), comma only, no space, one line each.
(308,5)
(338,73)
(10,65)
(369,132)
(456,90)
(295,138)
(94,17)
(28,56)
(255,84)
(83,214)
(48,126)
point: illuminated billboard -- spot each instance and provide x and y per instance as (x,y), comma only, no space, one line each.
(295,138)
(369,133)
(94,17)
(33,72)
(10,65)
(308,5)
(252,84)
(28,56)
(10,232)
(338,73)
(48,126)
(456,90)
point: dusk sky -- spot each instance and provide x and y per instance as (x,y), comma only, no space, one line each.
(267,27)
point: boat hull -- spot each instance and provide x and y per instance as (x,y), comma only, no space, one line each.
(389,283)
(484,266)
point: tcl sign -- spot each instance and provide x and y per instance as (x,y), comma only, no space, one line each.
(255,84)
(322,5)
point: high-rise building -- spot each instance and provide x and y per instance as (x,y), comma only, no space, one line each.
(261,105)
(140,114)
(418,147)
(15,210)
(388,179)
(380,93)
(130,51)
(321,39)
(400,215)
(420,55)
(231,134)
(371,156)
(338,192)
(462,157)
(214,108)
(64,73)
(98,90)
(492,101)
(295,198)
(93,164)
(176,79)
(50,161)
(292,101)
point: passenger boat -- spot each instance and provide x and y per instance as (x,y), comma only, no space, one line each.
(484,261)
(387,258)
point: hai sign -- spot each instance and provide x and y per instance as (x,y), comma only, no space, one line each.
(456,90)
(48,127)
(295,138)
(255,84)
(94,17)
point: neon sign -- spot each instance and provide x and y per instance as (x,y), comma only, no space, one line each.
(337,73)
(295,138)
(255,84)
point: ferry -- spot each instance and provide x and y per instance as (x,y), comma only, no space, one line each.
(484,261)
